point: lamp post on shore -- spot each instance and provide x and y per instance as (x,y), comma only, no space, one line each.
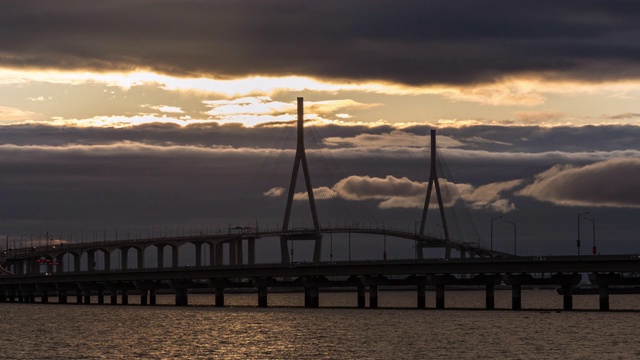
(579,217)
(593,223)
(514,236)
(492,219)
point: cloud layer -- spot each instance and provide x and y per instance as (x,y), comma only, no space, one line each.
(611,183)
(409,42)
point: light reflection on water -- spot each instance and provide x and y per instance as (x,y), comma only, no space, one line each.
(288,331)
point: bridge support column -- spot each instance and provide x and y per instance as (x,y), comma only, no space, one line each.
(373,296)
(124,258)
(144,296)
(174,257)
(12,296)
(91,260)
(78,297)
(251,247)
(422,300)
(567,290)
(140,259)
(212,255)
(311,297)
(219,254)
(490,296)
(262,296)
(219,297)
(100,297)
(114,296)
(44,297)
(87,296)
(233,257)
(361,298)
(440,296)
(62,296)
(59,265)
(152,297)
(182,296)
(198,254)
(603,292)
(125,296)
(516,297)
(239,252)
(3,296)
(160,256)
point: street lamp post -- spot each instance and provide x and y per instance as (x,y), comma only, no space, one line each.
(514,236)
(593,223)
(578,242)
(492,219)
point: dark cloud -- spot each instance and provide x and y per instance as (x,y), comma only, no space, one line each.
(413,42)
(611,183)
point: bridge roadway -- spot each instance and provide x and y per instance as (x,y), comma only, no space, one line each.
(27,260)
(605,272)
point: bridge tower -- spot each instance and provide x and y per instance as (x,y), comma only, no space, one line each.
(433,179)
(300,158)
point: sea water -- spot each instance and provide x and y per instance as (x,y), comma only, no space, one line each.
(336,330)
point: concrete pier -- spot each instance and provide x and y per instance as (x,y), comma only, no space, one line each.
(219,297)
(422,300)
(100,297)
(87,296)
(439,297)
(516,297)
(125,296)
(361,298)
(114,296)
(490,296)
(152,297)
(373,296)
(182,296)
(262,297)
(62,296)
(603,294)
(567,295)
(144,296)
(311,297)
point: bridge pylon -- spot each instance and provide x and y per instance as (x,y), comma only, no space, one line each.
(300,158)
(433,180)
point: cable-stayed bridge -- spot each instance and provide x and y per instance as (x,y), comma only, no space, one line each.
(229,260)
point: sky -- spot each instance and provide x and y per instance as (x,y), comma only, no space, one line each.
(144,116)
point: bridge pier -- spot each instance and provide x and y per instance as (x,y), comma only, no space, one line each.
(219,254)
(233,257)
(239,252)
(152,297)
(44,297)
(440,296)
(198,246)
(422,300)
(251,247)
(361,298)
(144,297)
(125,296)
(516,297)
(182,296)
(311,297)
(567,291)
(373,296)
(160,259)
(490,296)
(113,292)
(100,297)
(603,294)
(3,295)
(219,297)
(262,296)
(62,296)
